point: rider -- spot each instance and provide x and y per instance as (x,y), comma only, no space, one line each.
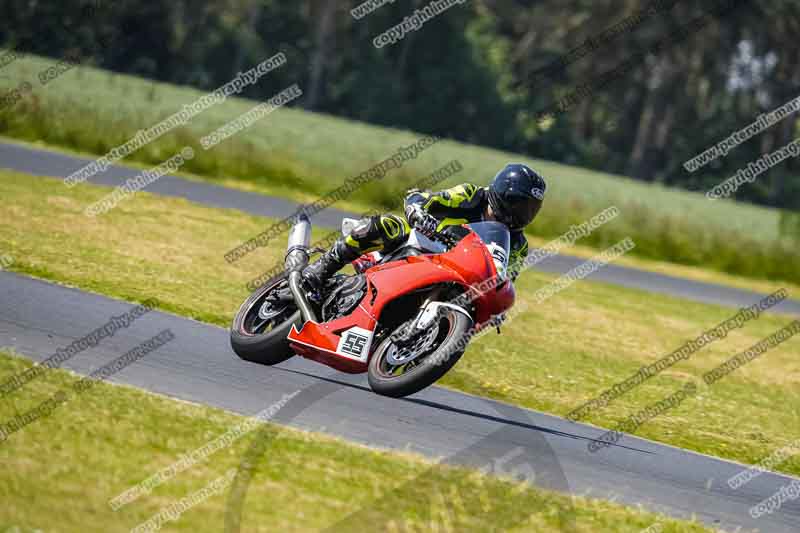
(514,197)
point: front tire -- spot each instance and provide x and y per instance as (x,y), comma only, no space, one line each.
(398,381)
(262,324)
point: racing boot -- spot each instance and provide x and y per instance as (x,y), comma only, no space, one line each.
(316,274)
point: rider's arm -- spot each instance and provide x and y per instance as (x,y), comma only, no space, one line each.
(447,206)
(519,251)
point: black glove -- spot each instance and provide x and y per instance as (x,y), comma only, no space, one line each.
(423,221)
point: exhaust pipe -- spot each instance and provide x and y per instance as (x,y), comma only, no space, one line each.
(296,260)
(299,242)
(300,235)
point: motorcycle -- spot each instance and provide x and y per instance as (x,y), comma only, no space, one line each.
(405,317)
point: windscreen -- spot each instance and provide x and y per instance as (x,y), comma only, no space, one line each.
(497,238)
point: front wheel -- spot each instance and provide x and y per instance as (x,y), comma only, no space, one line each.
(260,328)
(406,363)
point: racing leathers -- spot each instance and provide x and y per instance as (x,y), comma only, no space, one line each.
(430,212)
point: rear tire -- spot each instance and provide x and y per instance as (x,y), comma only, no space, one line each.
(430,367)
(270,347)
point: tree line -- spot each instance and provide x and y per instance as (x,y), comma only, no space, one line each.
(517,75)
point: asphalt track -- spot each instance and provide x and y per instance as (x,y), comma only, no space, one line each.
(37,317)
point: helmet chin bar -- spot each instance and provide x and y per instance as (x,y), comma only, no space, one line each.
(492,215)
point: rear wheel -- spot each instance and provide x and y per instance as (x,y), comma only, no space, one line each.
(260,328)
(407,362)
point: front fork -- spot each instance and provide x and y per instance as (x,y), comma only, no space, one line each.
(428,312)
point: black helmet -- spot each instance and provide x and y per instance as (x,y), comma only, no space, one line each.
(516,195)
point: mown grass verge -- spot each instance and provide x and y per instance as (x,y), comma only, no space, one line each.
(60,472)
(554,357)
(299,154)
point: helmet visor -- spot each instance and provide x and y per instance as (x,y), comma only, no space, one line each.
(520,210)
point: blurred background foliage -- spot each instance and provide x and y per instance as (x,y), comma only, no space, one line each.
(479,73)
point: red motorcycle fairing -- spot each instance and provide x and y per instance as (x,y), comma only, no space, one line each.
(346,342)
(343,344)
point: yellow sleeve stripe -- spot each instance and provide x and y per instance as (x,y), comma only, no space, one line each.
(450,222)
(458,195)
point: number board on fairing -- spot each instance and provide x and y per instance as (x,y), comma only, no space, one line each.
(355,344)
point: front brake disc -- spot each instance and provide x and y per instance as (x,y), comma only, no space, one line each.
(400,354)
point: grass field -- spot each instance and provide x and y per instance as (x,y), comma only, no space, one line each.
(299,154)
(552,358)
(60,471)
(695,273)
